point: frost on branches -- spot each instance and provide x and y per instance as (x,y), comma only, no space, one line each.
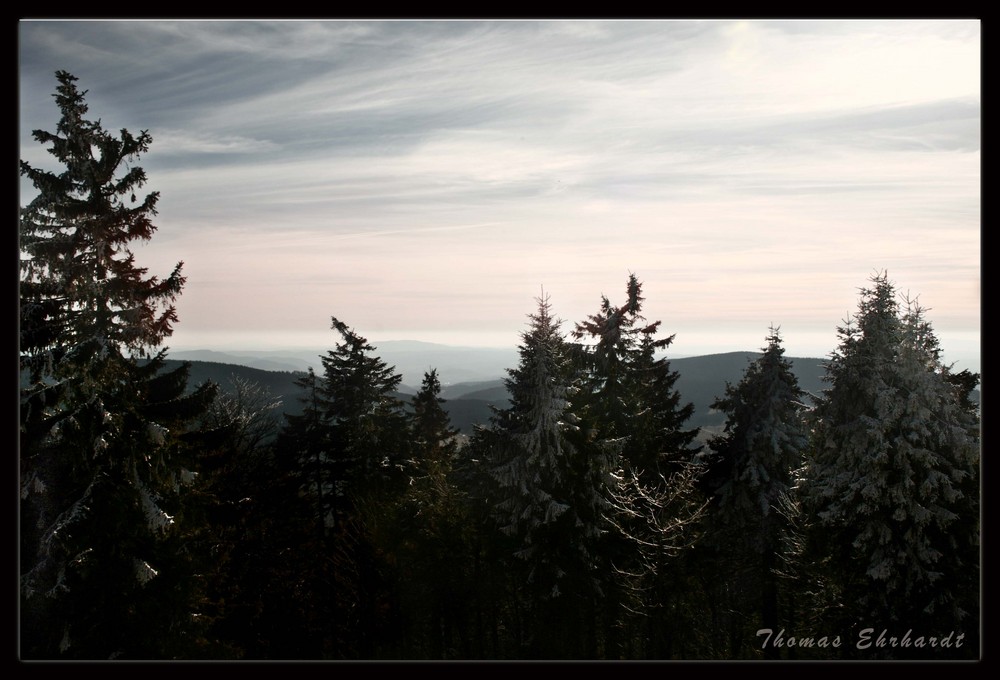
(553,493)
(749,473)
(764,438)
(892,486)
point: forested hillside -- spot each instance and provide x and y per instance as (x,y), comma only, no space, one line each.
(602,502)
(701,381)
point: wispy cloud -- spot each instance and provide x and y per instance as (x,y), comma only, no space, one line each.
(178,142)
(435,174)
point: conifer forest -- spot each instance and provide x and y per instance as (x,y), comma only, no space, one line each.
(586,520)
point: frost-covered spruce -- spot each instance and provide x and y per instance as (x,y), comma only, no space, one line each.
(750,470)
(762,444)
(553,494)
(891,488)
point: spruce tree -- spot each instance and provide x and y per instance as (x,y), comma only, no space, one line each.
(890,489)
(366,421)
(629,392)
(351,438)
(629,404)
(102,427)
(553,494)
(608,401)
(762,444)
(431,432)
(349,450)
(297,583)
(751,468)
(429,534)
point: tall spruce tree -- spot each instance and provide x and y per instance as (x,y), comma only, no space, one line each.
(608,401)
(628,402)
(431,433)
(348,451)
(751,470)
(553,494)
(891,488)
(629,393)
(429,535)
(351,437)
(366,418)
(102,432)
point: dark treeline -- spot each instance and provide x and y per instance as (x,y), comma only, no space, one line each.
(583,521)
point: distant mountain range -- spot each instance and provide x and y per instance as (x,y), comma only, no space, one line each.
(411,359)
(473,378)
(468,402)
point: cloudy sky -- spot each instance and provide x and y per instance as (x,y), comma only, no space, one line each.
(426,180)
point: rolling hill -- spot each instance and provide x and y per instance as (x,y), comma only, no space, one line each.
(702,380)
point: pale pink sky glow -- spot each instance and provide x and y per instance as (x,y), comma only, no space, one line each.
(424,180)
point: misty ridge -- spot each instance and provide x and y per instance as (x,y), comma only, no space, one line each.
(472,379)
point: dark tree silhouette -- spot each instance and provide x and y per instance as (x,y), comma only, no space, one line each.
(102,448)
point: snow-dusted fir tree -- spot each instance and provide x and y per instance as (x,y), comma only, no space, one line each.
(101,462)
(553,494)
(891,485)
(750,471)
(762,444)
(547,487)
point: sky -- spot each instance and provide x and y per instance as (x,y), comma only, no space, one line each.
(428,180)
